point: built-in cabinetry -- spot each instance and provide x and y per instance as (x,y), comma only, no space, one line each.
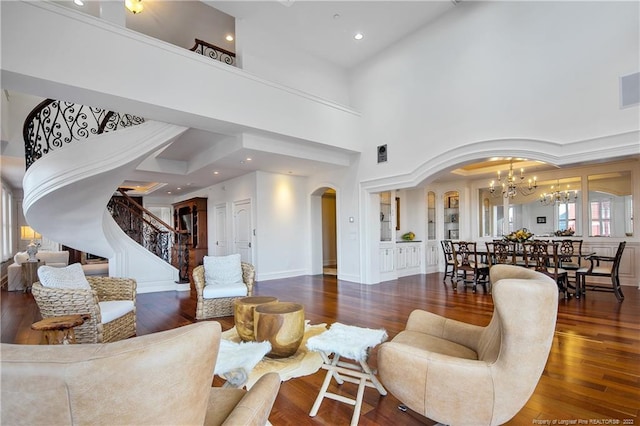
(431,215)
(385,216)
(451,215)
(190,219)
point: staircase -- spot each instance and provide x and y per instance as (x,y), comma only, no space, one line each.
(66,192)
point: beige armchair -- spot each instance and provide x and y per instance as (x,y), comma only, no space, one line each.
(462,374)
(214,307)
(158,379)
(111,304)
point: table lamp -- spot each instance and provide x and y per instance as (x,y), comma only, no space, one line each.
(28,234)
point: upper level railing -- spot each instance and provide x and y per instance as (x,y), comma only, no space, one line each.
(53,123)
(214,52)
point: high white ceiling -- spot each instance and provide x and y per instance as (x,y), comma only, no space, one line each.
(326,29)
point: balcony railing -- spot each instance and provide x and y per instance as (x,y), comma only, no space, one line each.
(54,123)
(214,52)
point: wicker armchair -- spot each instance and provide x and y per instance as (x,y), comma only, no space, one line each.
(221,306)
(61,301)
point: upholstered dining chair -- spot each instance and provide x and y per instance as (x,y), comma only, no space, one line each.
(215,300)
(570,256)
(449,264)
(457,373)
(601,266)
(110,303)
(466,260)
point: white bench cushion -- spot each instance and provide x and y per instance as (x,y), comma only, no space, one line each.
(113,309)
(216,291)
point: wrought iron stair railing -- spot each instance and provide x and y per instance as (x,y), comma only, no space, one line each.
(54,123)
(151,232)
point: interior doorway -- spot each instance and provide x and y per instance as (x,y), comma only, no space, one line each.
(324,253)
(329,233)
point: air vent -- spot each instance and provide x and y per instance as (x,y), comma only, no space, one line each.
(382,153)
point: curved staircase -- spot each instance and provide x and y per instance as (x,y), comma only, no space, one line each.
(67,190)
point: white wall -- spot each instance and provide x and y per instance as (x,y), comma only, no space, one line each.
(275,60)
(542,71)
(282,225)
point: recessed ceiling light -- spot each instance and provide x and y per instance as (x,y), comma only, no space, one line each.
(78,2)
(248,158)
(229,37)
(216,172)
(358,36)
(178,188)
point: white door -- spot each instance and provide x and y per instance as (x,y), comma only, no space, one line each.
(242,229)
(220,229)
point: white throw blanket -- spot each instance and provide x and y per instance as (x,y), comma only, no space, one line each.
(348,341)
(243,355)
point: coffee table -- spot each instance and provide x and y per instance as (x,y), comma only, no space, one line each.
(282,324)
(243,313)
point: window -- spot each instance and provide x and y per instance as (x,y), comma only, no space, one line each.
(566,216)
(6,205)
(601,218)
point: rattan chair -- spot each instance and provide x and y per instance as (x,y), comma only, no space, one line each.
(54,302)
(220,306)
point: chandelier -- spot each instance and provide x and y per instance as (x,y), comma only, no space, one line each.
(558,196)
(513,185)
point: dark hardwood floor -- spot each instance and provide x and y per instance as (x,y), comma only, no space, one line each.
(593,372)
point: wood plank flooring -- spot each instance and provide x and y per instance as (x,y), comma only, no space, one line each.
(593,372)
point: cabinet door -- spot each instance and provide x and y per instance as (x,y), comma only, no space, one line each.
(386,260)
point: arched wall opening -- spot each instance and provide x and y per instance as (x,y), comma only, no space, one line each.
(324,231)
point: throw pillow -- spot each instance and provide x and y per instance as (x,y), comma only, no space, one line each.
(21,257)
(71,276)
(222,269)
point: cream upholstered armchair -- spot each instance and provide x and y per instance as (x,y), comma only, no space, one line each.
(110,302)
(216,299)
(157,379)
(462,374)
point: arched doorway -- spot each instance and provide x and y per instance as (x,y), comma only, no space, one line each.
(324,231)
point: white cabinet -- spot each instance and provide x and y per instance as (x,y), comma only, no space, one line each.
(387,263)
(408,258)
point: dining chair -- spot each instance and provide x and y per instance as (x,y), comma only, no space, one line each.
(466,259)
(447,249)
(570,256)
(544,255)
(501,252)
(611,271)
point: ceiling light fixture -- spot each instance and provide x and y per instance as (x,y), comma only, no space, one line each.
(229,37)
(558,196)
(512,185)
(134,6)
(78,2)
(358,36)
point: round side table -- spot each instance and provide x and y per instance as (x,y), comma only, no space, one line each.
(59,330)
(243,313)
(282,324)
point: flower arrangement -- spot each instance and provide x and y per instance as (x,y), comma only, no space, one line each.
(519,236)
(565,232)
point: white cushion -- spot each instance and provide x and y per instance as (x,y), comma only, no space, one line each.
(222,270)
(224,290)
(114,309)
(70,276)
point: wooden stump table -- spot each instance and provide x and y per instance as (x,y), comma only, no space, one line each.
(59,330)
(243,314)
(282,324)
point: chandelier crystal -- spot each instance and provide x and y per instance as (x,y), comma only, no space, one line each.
(512,185)
(558,196)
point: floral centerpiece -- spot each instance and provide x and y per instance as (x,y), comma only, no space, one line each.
(519,236)
(565,232)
